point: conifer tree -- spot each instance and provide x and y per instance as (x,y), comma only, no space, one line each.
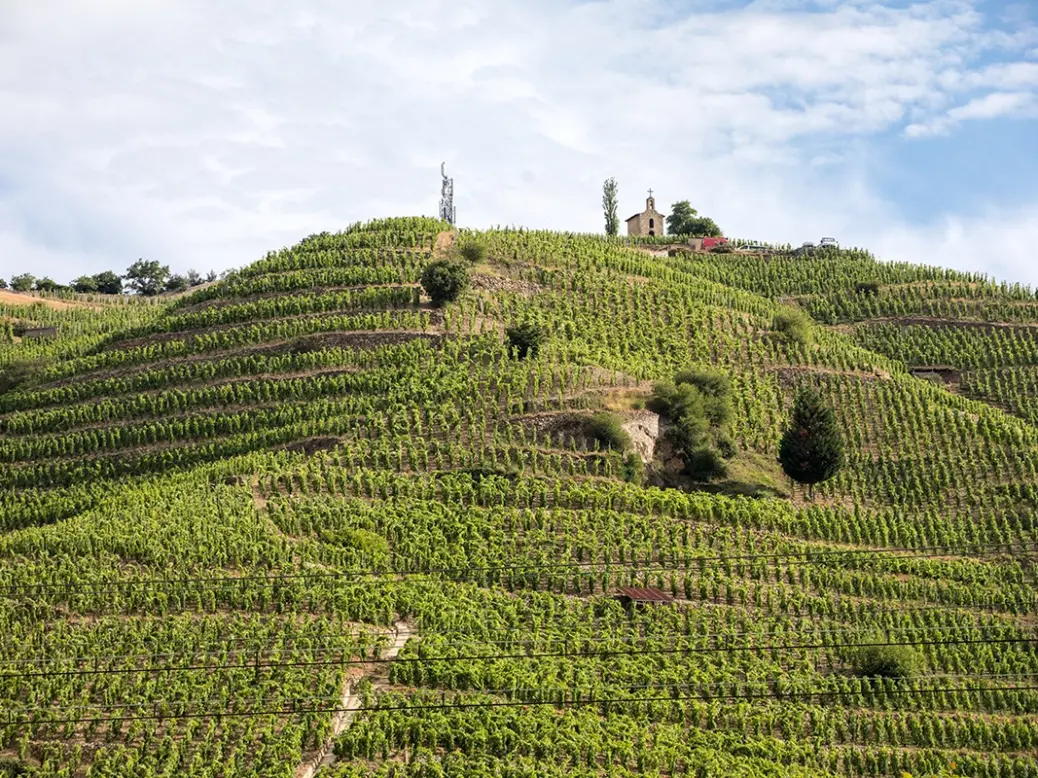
(812,449)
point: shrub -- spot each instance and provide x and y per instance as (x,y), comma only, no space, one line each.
(705,464)
(472,251)
(444,280)
(20,372)
(605,428)
(698,403)
(634,469)
(709,382)
(11,768)
(525,339)
(722,248)
(889,662)
(794,325)
(870,288)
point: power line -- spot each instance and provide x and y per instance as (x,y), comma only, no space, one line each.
(295,711)
(513,692)
(341,661)
(253,651)
(637,566)
(482,639)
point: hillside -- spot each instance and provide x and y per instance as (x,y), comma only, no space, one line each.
(228,517)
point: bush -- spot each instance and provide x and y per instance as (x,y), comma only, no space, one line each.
(705,464)
(444,280)
(20,372)
(870,288)
(794,325)
(722,248)
(605,428)
(525,339)
(634,469)
(472,251)
(698,403)
(889,662)
(11,768)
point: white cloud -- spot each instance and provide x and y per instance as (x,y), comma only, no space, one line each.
(990,106)
(1001,243)
(205,134)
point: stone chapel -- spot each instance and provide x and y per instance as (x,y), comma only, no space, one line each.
(648,222)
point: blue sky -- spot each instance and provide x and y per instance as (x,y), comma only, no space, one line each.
(203,135)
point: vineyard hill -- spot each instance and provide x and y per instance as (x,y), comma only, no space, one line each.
(229,516)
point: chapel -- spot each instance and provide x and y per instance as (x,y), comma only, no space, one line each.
(648,222)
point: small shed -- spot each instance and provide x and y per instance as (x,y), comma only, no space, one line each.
(38,333)
(642,595)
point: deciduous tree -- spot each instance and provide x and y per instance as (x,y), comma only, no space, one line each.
(685,220)
(23,282)
(147,277)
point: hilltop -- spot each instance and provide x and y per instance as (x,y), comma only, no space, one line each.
(305,488)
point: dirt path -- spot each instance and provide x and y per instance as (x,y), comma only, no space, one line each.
(350,703)
(16,298)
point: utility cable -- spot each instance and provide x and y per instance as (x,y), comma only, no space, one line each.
(342,661)
(295,711)
(512,692)
(418,636)
(637,566)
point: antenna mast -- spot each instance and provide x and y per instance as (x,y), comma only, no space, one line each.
(447,212)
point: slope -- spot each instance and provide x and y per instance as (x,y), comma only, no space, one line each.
(213,519)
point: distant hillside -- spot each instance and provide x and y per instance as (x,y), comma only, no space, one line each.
(230,516)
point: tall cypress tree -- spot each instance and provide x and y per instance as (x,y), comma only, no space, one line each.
(812,449)
(612,221)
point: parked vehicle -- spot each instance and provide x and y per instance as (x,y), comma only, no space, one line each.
(828,243)
(709,243)
(757,248)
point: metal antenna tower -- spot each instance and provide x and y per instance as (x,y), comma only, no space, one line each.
(447,212)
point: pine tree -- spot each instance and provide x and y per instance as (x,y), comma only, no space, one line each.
(811,450)
(612,221)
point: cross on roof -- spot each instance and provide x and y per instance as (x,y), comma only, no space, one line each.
(650,193)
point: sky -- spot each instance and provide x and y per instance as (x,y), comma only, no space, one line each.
(204,134)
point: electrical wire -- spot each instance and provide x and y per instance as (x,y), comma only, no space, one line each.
(512,692)
(295,711)
(342,661)
(417,634)
(637,566)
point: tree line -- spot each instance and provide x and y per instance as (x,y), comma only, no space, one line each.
(146,277)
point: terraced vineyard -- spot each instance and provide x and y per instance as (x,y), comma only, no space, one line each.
(302,520)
